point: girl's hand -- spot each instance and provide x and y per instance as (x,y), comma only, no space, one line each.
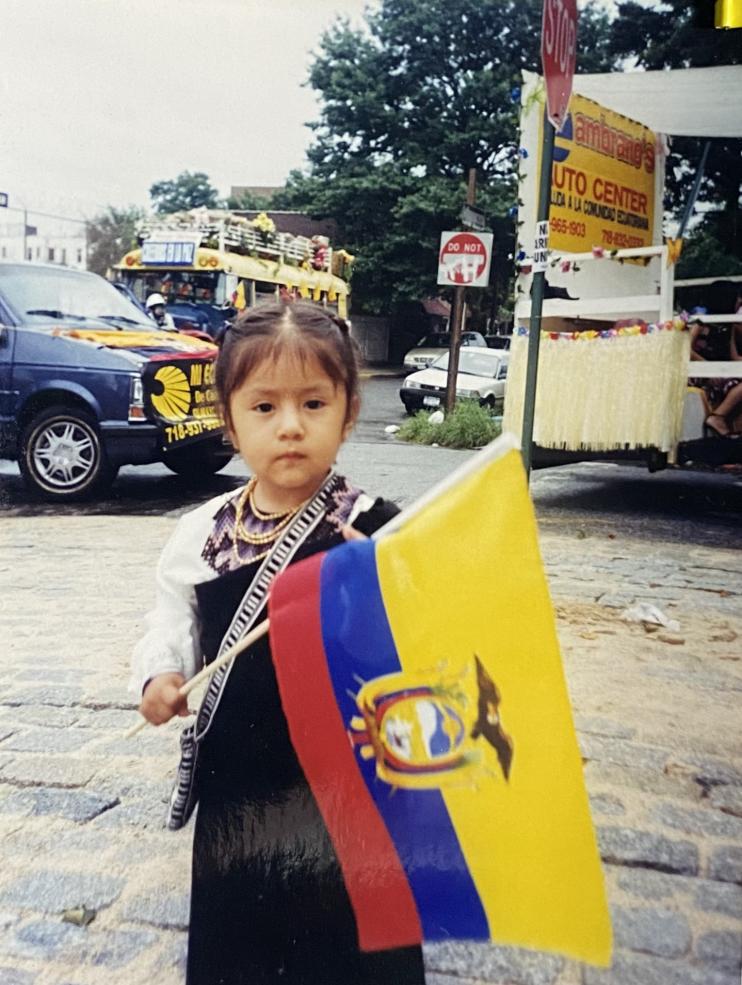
(350,533)
(161,700)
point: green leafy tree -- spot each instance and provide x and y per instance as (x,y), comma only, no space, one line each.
(110,235)
(426,91)
(703,252)
(666,36)
(190,190)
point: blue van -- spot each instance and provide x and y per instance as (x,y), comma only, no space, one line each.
(88,383)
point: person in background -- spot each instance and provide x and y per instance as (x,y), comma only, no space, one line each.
(158,313)
(724,394)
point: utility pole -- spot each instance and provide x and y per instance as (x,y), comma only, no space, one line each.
(457,313)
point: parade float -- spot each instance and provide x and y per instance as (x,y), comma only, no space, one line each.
(614,350)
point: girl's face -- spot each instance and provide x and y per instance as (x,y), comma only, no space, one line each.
(288,422)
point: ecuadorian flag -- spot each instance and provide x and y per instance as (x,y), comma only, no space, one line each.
(421,679)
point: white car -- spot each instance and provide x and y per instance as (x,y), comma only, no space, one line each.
(431,347)
(482,375)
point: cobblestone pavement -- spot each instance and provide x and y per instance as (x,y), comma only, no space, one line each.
(81,810)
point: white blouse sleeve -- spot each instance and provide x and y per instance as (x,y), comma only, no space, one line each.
(171,642)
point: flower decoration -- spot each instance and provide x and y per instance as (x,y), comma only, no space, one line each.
(598,252)
(565,266)
(263,223)
(265,227)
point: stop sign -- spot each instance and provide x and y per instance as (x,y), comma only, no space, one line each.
(558,56)
(464,259)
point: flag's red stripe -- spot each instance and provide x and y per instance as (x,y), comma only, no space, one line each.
(384,907)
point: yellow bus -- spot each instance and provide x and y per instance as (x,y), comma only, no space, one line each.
(206,263)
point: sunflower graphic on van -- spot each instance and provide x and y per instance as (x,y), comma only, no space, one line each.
(171,393)
(182,398)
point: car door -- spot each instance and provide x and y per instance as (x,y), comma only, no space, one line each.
(8,396)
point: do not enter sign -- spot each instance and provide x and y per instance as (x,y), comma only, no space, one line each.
(464,259)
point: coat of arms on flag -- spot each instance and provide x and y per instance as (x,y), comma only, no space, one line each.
(421,679)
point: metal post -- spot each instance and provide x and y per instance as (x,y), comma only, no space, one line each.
(537,300)
(25,228)
(688,210)
(457,312)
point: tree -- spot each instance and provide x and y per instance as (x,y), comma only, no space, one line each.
(189,190)
(408,105)
(110,235)
(667,37)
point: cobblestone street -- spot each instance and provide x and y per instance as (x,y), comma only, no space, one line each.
(81,809)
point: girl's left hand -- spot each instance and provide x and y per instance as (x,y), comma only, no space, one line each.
(350,533)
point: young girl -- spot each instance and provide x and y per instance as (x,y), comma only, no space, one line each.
(268,902)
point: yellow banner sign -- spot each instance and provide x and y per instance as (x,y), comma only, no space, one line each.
(602,188)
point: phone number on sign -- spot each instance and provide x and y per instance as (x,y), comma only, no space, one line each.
(190,429)
(621,239)
(570,228)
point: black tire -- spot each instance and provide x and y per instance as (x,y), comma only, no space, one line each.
(61,455)
(197,462)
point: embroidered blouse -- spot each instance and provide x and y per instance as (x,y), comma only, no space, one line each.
(201,549)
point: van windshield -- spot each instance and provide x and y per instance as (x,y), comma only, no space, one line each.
(40,294)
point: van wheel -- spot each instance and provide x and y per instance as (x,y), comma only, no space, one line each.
(197,463)
(61,455)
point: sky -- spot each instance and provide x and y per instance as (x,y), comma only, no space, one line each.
(101,98)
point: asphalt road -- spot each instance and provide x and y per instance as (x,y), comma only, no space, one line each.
(676,506)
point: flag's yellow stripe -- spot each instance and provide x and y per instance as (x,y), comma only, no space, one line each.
(529,842)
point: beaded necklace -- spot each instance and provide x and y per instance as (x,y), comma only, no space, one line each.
(281,520)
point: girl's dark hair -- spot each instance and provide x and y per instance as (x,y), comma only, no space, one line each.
(269,330)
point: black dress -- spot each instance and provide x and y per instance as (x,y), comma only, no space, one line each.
(268,902)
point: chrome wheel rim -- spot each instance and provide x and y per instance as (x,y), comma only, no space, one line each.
(64,453)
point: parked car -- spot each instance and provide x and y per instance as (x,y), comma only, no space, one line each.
(481,376)
(430,347)
(88,383)
(498,341)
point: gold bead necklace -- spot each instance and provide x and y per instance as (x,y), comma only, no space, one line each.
(257,540)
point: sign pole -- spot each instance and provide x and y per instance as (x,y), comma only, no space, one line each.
(558,58)
(457,312)
(537,299)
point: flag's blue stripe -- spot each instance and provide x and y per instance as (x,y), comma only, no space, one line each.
(359,644)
